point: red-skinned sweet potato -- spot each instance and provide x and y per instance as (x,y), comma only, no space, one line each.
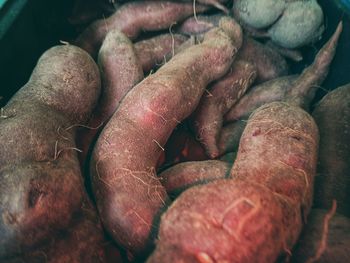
(325,239)
(209,115)
(153,51)
(134,17)
(41,186)
(128,194)
(299,90)
(332,115)
(184,175)
(120,72)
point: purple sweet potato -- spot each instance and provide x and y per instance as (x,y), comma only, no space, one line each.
(120,71)
(41,186)
(208,117)
(134,17)
(184,175)
(332,115)
(129,195)
(152,52)
(325,239)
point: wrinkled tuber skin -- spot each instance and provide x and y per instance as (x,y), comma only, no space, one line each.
(230,136)
(129,195)
(337,249)
(278,149)
(301,23)
(199,25)
(152,52)
(208,117)
(223,221)
(83,241)
(134,17)
(273,90)
(298,90)
(332,115)
(184,175)
(41,186)
(268,62)
(120,72)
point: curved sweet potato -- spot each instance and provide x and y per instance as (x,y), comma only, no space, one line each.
(129,196)
(153,51)
(332,115)
(336,248)
(134,17)
(223,93)
(120,72)
(41,186)
(184,175)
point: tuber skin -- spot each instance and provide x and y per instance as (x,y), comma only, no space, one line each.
(129,195)
(336,248)
(134,17)
(184,175)
(268,62)
(82,241)
(299,90)
(41,186)
(223,221)
(120,72)
(199,25)
(153,51)
(332,115)
(225,92)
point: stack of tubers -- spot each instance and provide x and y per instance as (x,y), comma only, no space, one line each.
(160,135)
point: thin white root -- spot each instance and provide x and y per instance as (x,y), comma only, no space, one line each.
(323,242)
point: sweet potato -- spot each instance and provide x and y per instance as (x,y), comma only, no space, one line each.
(268,62)
(153,51)
(230,135)
(332,115)
(134,17)
(184,175)
(232,221)
(300,89)
(83,241)
(128,194)
(41,186)
(208,117)
(199,24)
(313,247)
(120,71)
(223,221)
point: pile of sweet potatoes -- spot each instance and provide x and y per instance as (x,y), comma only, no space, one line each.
(162,135)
